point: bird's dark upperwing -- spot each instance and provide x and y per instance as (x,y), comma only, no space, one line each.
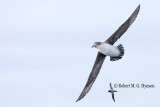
(93,75)
(111,86)
(100,57)
(113,96)
(123,28)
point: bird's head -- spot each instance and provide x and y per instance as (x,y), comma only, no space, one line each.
(96,44)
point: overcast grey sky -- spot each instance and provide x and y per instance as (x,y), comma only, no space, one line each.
(46,54)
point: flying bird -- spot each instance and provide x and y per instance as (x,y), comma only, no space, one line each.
(108,49)
(112,92)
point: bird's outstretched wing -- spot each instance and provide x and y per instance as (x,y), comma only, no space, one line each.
(123,28)
(111,86)
(113,96)
(100,57)
(93,75)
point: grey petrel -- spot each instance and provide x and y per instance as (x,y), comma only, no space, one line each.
(107,49)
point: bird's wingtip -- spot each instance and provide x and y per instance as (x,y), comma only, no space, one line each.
(77,100)
(139,6)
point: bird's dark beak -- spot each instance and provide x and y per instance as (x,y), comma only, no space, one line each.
(93,46)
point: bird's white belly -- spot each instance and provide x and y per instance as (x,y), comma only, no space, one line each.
(109,50)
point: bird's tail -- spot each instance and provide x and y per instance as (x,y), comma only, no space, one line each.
(121,49)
